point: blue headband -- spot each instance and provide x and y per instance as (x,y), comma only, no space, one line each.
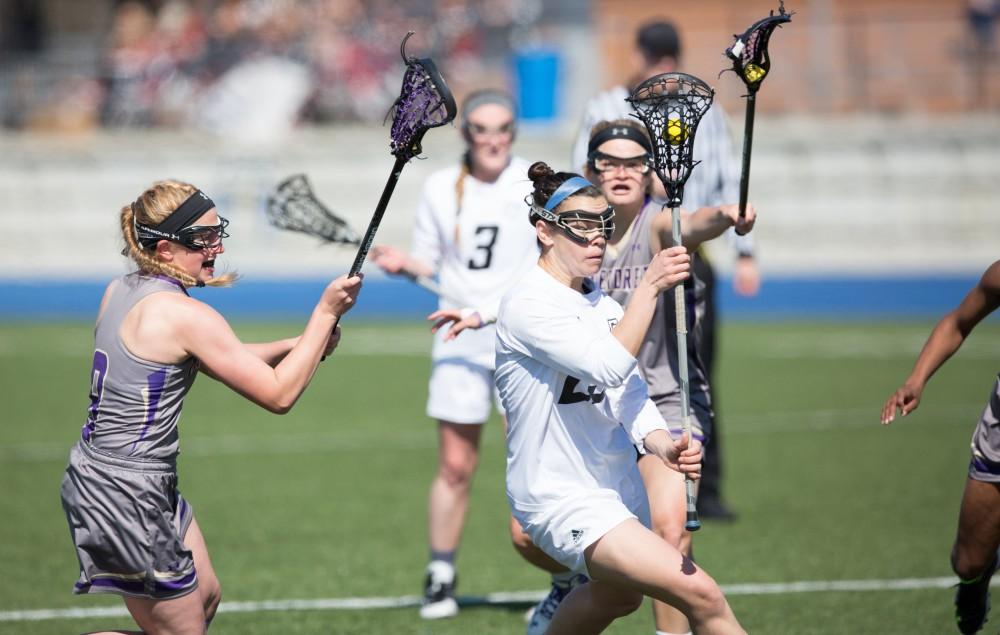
(568,188)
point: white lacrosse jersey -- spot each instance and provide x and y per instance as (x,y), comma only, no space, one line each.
(476,250)
(574,397)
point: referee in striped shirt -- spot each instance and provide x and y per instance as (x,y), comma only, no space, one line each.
(714,182)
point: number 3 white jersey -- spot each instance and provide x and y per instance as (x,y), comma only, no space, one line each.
(574,397)
(477,251)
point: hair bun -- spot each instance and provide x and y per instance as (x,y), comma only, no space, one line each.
(539,170)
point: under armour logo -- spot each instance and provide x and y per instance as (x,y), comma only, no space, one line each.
(203,195)
(619,131)
(576,535)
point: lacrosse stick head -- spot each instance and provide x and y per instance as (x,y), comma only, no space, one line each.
(293,206)
(671,106)
(424,102)
(749,52)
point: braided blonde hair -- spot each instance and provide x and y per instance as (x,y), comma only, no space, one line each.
(460,191)
(151,208)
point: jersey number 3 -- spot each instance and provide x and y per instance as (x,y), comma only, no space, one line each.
(569,394)
(484,250)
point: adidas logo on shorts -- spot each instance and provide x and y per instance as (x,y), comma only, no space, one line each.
(576,535)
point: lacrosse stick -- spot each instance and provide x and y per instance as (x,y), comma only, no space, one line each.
(424,102)
(292,205)
(751,62)
(671,105)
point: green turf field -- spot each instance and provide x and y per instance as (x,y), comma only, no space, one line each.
(328,502)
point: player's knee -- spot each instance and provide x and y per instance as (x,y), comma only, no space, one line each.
(211,597)
(457,471)
(965,566)
(672,532)
(622,604)
(704,598)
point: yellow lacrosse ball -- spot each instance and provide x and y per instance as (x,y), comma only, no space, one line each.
(753,73)
(676,132)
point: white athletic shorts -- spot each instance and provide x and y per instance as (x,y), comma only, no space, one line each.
(570,525)
(460,392)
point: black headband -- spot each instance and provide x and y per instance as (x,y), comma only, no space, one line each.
(619,132)
(186,213)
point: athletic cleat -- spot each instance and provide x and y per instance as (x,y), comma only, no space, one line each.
(439,592)
(972,602)
(544,611)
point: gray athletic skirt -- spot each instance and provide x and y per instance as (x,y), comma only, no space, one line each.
(128,521)
(985,462)
(702,415)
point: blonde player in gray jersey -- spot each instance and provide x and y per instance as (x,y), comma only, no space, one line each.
(135,535)
(974,555)
(578,408)
(470,232)
(619,163)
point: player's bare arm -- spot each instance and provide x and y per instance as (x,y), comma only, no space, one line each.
(223,356)
(668,268)
(946,338)
(702,225)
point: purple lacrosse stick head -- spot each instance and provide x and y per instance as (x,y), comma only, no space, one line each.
(424,102)
(749,52)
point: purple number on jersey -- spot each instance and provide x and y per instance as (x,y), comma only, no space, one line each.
(98,372)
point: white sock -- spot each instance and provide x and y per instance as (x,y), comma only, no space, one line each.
(441,570)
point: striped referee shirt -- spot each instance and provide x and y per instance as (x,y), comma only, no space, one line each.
(714,181)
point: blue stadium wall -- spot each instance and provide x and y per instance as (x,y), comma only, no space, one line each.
(785,298)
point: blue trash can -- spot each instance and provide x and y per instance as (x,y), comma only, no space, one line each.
(536,71)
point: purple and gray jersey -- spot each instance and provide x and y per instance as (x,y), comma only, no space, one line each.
(985,462)
(135,404)
(119,492)
(622,270)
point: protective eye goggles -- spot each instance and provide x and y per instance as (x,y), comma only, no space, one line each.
(579,226)
(194,237)
(601,163)
(481,132)
(198,237)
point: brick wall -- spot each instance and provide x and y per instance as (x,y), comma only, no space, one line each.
(836,56)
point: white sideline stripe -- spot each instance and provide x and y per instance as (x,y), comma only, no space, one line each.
(409,601)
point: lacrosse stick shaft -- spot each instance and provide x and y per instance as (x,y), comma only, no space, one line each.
(369,238)
(691,523)
(747,148)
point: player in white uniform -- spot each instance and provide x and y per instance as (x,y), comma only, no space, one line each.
(619,163)
(470,232)
(576,404)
